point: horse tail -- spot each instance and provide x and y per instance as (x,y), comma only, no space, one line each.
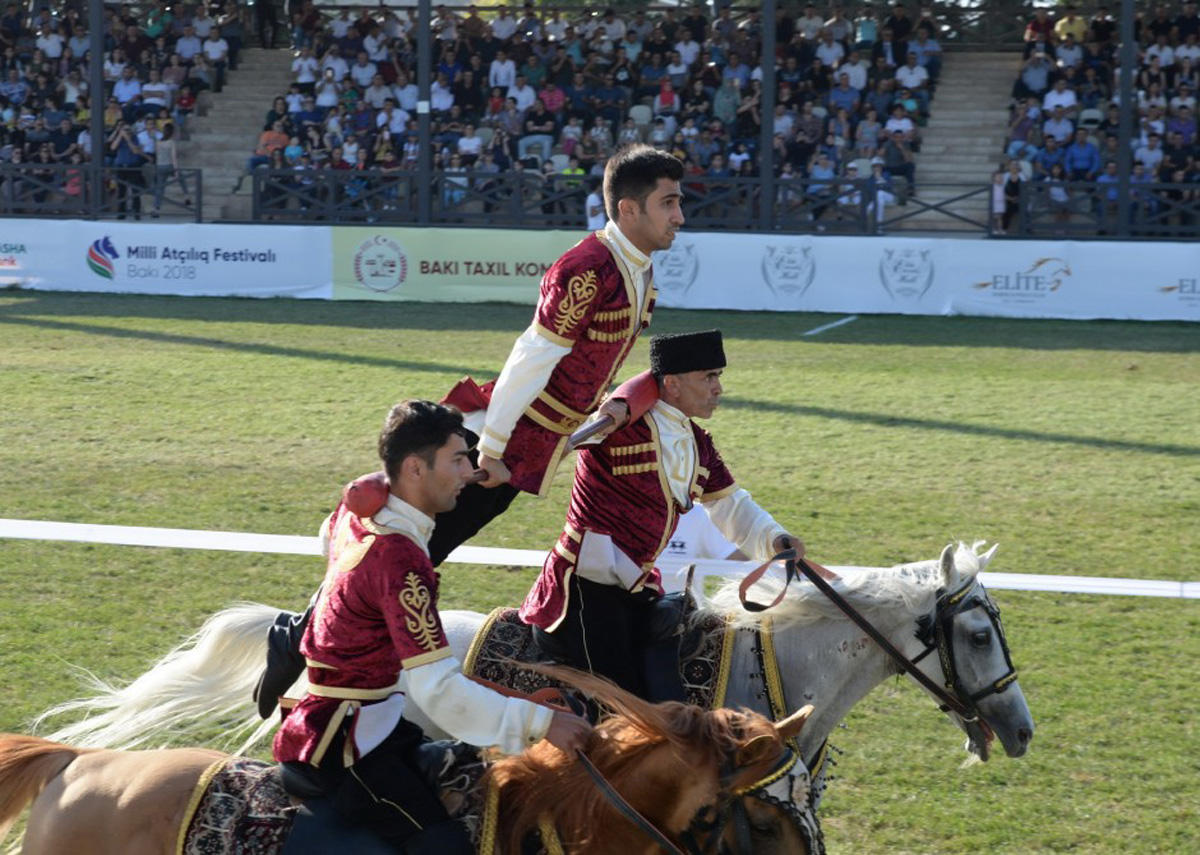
(27,764)
(201,687)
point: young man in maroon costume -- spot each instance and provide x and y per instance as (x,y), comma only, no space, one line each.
(377,616)
(594,601)
(594,302)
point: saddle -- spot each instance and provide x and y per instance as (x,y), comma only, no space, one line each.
(504,643)
(252,807)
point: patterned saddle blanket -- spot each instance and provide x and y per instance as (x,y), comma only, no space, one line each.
(504,643)
(240,807)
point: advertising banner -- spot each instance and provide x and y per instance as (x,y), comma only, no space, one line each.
(1032,279)
(184,260)
(444,265)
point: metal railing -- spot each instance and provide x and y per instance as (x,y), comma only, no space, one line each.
(65,190)
(1154,210)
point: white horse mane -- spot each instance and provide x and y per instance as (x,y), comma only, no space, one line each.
(905,589)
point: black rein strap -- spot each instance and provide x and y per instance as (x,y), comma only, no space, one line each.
(789,555)
(625,808)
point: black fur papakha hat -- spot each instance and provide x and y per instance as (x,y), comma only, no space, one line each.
(684,352)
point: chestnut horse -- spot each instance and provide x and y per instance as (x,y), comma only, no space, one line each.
(677,765)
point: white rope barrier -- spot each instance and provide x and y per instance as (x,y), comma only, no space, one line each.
(674,570)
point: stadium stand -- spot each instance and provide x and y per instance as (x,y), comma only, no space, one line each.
(1064,127)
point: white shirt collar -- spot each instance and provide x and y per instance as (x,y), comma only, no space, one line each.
(637,260)
(399,515)
(674,415)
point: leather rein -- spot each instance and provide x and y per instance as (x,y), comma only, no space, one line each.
(936,635)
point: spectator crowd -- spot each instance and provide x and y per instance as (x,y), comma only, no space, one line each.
(1064,125)
(542,90)
(158,57)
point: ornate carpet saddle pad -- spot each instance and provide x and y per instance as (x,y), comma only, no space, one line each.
(503,644)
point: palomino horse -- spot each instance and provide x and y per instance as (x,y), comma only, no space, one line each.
(673,763)
(802,650)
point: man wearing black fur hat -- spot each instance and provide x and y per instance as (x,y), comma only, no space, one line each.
(592,605)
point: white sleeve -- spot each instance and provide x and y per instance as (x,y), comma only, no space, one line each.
(742,521)
(473,713)
(525,374)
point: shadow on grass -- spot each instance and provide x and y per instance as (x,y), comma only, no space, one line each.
(905,330)
(245,347)
(884,420)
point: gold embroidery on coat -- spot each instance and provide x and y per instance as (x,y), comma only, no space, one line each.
(573,306)
(420,623)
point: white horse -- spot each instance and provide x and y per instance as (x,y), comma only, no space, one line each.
(819,655)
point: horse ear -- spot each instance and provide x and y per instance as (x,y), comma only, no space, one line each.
(949,572)
(792,725)
(987,556)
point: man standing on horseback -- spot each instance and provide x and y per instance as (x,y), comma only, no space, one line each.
(377,616)
(596,597)
(593,303)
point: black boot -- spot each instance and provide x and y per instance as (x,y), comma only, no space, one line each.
(660,651)
(285,663)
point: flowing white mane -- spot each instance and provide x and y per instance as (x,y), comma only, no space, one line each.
(885,593)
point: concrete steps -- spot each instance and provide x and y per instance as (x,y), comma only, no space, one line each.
(224,135)
(964,140)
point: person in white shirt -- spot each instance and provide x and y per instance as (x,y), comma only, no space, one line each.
(377,93)
(405,92)
(216,51)
(305,69)
(556,27)
(363,71)
(1061,96)
(339,26)
(810,23)
(333,60)
(855,70)
(522,93)
(202,22)
(441,94)
(688,49)
(394,118)
(502,72)
(50,43)
(504,25)
(593,207)
(829,51)
(469,145)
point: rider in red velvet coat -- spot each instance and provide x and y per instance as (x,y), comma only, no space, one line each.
(594,600)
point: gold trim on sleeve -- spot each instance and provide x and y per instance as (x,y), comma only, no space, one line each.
(559,407)
(718,494)
(635,468)
(425,658)
(551,335)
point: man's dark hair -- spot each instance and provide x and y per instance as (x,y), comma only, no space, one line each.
(633,173)
(416,427)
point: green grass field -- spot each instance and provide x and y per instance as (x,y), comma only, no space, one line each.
(1074,445)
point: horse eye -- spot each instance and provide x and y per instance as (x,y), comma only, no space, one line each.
(982,638)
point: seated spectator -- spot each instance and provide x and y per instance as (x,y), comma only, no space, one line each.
(1039,33)
(898,160)
(1183,124)
(216,52)
(843,96)
(929,54)
(1151,154)
(1061,96)
(1035,76)
(901,123)
(1082,159)
(268,141)
(522,93)
(1022,135)
(1070,25)
(867,134)
(829,51)
(188,46)
(1059,126)
(916,79)
(539,131)
(891,50)
(855,69)
(1049,156)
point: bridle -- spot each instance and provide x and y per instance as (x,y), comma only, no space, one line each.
(708,824)
(935,630)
